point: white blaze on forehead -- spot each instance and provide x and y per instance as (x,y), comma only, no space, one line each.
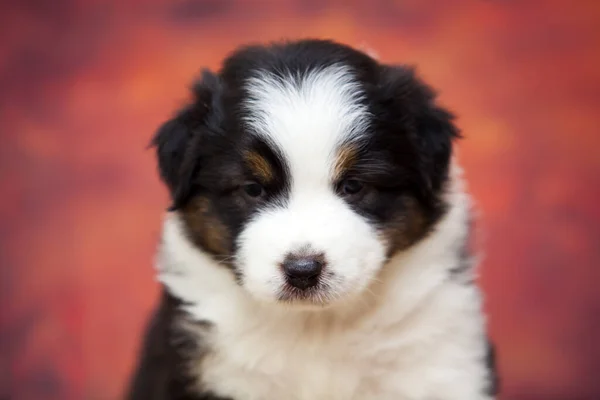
(307,116)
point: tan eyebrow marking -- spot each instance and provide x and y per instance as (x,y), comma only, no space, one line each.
(346,157)
(259,166)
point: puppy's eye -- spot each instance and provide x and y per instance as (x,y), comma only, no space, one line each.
(350,187)
(254,189)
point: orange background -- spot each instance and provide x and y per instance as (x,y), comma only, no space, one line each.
(84,84)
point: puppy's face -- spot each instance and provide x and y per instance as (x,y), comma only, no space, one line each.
(302,167)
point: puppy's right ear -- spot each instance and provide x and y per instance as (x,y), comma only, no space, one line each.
(179,141)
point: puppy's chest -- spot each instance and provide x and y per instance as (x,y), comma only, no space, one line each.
(299,365)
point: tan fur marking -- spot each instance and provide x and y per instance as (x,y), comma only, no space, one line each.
(205,228)
(346,157)
(404,228)
(259,166)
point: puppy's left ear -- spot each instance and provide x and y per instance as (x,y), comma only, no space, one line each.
(431,127)
(180,141)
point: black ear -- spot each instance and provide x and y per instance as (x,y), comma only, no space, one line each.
(431,128)
(179,141)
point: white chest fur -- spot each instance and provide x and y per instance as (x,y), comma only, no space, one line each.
(434,353)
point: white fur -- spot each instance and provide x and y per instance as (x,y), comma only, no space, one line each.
(307,118)
(413,334)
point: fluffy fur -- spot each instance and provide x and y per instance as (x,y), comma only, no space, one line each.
(316,152)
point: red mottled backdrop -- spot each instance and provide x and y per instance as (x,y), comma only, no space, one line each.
(83,85)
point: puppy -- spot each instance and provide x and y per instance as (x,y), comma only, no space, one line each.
(316,245)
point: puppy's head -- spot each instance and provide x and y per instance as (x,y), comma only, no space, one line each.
(303,166)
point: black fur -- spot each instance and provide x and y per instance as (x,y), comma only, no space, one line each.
(406,156)
(493,388)
(181,141)
(162,372)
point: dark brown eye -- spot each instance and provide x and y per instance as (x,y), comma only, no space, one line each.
(350,187)
(254,189)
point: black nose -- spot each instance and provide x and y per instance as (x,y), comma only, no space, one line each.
(303,271)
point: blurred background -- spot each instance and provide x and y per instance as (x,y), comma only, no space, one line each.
(84,84)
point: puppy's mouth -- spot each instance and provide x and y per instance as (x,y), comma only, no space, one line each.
(321,295)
